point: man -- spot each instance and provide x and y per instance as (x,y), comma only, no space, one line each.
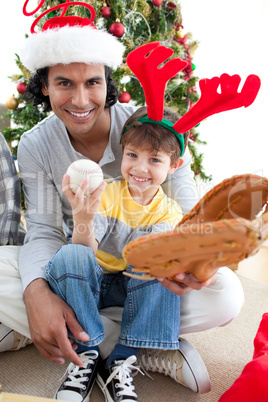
(72,74)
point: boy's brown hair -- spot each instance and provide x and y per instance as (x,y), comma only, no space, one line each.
(153,136)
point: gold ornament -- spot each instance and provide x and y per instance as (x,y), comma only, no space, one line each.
(12,103)
(180,34)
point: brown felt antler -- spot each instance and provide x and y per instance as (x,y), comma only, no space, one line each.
(212,102)
(145,62)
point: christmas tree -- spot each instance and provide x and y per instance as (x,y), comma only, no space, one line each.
(134,22)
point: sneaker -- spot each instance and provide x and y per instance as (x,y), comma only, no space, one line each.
(12,340)
(184,365)
(116,381)
(80,380)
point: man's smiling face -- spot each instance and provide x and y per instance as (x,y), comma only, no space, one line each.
(77,94)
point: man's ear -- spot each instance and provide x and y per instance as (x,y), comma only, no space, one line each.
(176,166)
(44,89)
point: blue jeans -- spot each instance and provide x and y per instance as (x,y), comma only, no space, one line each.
(151,312)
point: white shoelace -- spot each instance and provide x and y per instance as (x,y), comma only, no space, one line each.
(123,373)
(162,366)
(77,375)
(23,342)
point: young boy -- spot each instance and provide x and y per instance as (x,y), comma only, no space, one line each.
(129,207)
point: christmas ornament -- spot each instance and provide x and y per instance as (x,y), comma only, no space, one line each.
(171,5)
(181,40)
(105,12)
(180,33)
(21,88)
(157,3)
(124,97)
(192,136)
(52,14)
(117,29)
(12,103)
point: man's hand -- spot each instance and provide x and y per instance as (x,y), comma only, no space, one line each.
(185,283)
(49,316)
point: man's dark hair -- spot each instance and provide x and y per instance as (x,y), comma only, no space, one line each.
(36,95)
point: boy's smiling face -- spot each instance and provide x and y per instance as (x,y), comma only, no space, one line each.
(145,170)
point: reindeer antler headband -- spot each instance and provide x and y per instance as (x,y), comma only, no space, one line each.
(145,63)
(69,39)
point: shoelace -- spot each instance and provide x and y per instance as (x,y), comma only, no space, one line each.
(164,366)
(22,340)
(76,374)
(123,373)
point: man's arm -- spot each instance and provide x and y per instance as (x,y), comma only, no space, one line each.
(48,315)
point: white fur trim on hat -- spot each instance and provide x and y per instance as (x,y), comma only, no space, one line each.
(71,44)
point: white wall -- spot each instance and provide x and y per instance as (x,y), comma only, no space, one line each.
(233,36)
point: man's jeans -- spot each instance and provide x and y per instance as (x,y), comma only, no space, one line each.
(151,312)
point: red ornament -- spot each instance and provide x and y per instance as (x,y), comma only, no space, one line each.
(117,29)
(105,12)
(192,136)
(21,88)
(183,41)
(124,97)
(157,3)
(171,5)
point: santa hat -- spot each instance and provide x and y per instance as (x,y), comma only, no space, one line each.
(69,39)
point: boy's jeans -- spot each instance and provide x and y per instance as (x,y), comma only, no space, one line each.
(150,316)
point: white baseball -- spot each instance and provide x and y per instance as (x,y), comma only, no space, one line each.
(84,168)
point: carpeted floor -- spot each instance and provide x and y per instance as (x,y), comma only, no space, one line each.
(225,352)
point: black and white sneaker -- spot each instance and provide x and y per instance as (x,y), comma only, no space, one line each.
(80,380)
(116,381)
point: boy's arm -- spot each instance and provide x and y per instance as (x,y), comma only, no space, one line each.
(84,211)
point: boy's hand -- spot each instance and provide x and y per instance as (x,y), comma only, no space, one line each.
(84,210)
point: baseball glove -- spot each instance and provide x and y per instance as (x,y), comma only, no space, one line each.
(227,225)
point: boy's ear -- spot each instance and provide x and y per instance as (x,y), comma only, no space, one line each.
(176,166)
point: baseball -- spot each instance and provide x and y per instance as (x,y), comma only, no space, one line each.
(81,169)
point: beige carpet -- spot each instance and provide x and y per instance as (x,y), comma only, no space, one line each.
(225,352)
